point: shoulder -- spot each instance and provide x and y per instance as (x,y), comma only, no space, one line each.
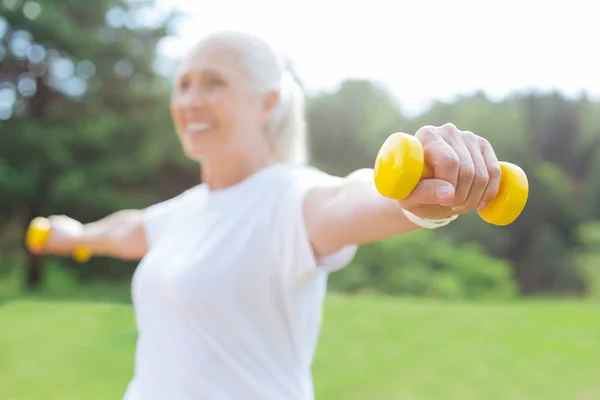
(158,216)
(309,186)
(174,201)
(311,192)
(306,190)
(314,185)
(310,181)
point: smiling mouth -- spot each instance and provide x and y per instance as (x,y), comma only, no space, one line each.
(198,128)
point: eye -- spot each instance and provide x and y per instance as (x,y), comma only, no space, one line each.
(183,84)
(215,81)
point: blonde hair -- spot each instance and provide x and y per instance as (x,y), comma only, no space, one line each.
(286,132)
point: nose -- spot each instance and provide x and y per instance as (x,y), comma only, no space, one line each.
(193,97)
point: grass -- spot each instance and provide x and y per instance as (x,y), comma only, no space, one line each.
(370,348)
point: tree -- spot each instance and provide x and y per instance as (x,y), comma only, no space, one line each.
(348,126)
(87,131)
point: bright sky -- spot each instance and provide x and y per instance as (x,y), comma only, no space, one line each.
(419,49)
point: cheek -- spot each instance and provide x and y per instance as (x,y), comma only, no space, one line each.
(224,108)
(176,113)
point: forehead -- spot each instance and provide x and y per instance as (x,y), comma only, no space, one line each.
(214,58)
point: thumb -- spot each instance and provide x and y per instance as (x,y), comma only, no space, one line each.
(431,192)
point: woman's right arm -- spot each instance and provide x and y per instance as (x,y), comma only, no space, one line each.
(125,234)
(120,235)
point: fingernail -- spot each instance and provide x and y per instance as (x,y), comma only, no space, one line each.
(444,193)
(481,206)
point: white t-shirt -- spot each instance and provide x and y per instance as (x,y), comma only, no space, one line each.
(228,299)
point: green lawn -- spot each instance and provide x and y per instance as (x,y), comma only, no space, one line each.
(371,348)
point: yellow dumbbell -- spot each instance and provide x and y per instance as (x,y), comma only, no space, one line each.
(38,233)
(400,165)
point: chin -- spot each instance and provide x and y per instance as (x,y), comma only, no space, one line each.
(200,148)
(194,155)
(203,153)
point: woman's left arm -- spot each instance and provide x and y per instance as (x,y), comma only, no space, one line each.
(350,210)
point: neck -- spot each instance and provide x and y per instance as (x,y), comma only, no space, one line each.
(229,170)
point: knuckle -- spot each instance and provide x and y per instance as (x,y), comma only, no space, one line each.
(467,171)
(448,160)
(427,132)
(483,142)
(494,171)
(481,177)
(449,126)
(450,130)
(470,137)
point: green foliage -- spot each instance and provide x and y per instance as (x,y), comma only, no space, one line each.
(423,265)
(93,135)
(112,133)
(348,126)
(588,258)
(591,188)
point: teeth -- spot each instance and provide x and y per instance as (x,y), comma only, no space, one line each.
(198,127)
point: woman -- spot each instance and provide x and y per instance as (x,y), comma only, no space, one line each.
(233,271)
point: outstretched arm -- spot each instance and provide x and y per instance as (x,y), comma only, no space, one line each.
(350,210)
(120,235)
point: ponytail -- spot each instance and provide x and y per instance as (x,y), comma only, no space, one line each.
(287,130)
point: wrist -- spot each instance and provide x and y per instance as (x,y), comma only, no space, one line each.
(82,243)
(91,235)
(428,223)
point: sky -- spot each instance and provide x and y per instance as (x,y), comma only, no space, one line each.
(419,50)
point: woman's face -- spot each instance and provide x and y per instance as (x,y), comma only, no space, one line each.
(215,109)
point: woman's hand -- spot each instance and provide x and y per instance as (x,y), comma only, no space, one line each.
(466,173)
(64,236)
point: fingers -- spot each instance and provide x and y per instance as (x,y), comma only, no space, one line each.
(464,160)
(494,173)
(441,157)
(466,164)
(480,180)
(430,192)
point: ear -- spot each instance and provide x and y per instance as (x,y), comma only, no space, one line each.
(270,103)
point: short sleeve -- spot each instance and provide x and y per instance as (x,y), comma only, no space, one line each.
(159,216)
(295,235)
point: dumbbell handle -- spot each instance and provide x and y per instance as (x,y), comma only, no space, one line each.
(39,232)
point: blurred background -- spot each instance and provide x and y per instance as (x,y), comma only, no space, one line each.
(471,311)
